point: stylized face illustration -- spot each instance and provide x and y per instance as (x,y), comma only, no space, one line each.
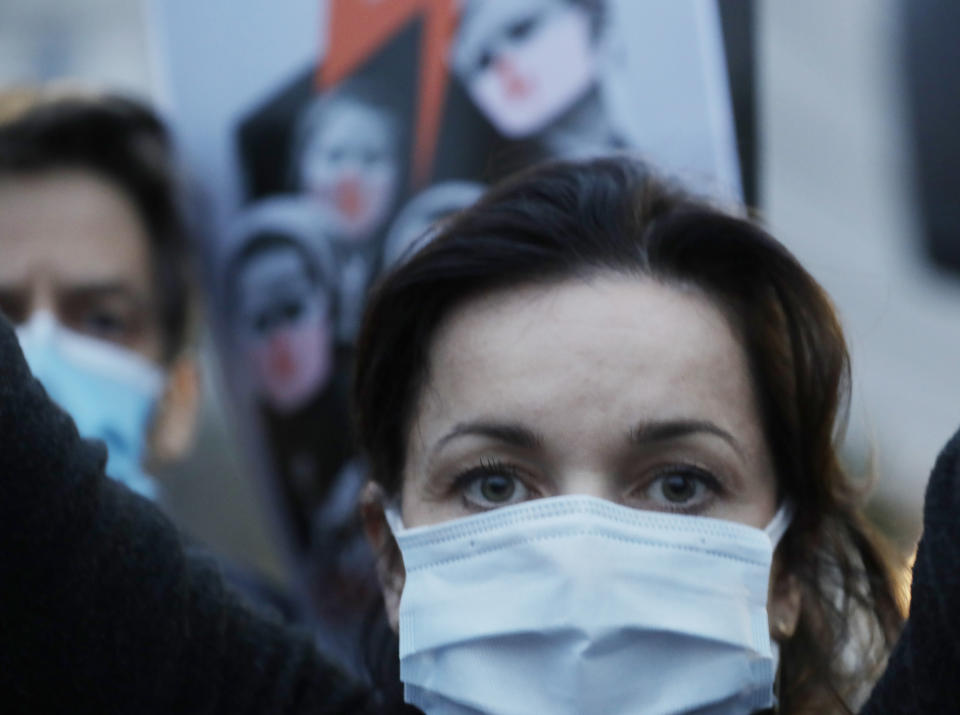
(285,329)
(349,165)
(525,62)
(418,222)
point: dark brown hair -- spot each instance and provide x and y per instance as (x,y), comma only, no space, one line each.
(123,141)
(569,219)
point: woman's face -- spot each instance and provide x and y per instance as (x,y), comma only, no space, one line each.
(616,387)
(621,388)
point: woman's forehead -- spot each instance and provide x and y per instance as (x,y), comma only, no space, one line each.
(595,350)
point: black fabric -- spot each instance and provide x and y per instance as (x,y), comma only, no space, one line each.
(102,609)
(924,668)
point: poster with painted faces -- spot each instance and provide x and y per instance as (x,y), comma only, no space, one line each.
(336,136)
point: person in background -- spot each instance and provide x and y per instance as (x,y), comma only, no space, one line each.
(95,274)
(94,271)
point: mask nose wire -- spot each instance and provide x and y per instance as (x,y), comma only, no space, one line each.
(774,530)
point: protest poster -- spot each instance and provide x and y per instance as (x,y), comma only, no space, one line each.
(332,137)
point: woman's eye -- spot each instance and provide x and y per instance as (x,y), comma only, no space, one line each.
(490,486)
(497,489)
(678,488)
(683,489)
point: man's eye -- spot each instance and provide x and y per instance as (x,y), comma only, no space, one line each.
(106,325)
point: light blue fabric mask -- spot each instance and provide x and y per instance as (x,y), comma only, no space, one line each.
(109,391)
(573,604)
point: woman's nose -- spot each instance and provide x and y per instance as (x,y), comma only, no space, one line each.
(587,482)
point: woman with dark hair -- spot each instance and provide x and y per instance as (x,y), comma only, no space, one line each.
(587,329)
(600,418)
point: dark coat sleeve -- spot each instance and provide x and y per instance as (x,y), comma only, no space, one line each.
(102,610)
(923,674)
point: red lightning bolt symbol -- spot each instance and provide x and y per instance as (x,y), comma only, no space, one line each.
(358,28)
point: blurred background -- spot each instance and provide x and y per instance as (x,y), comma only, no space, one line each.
(845,118)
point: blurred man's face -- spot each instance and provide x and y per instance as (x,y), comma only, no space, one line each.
(72,244)
(76,278)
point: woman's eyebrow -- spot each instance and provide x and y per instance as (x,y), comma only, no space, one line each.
(663,431)
(511,433)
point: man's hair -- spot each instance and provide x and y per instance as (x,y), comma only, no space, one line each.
(124,142)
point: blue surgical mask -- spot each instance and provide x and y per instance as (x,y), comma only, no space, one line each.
(574,604)
(109,391)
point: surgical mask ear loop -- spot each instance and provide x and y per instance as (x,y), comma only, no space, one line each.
(780,523)
(391,512)
(775,530)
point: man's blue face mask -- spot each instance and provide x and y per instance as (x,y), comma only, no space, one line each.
(108,390)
